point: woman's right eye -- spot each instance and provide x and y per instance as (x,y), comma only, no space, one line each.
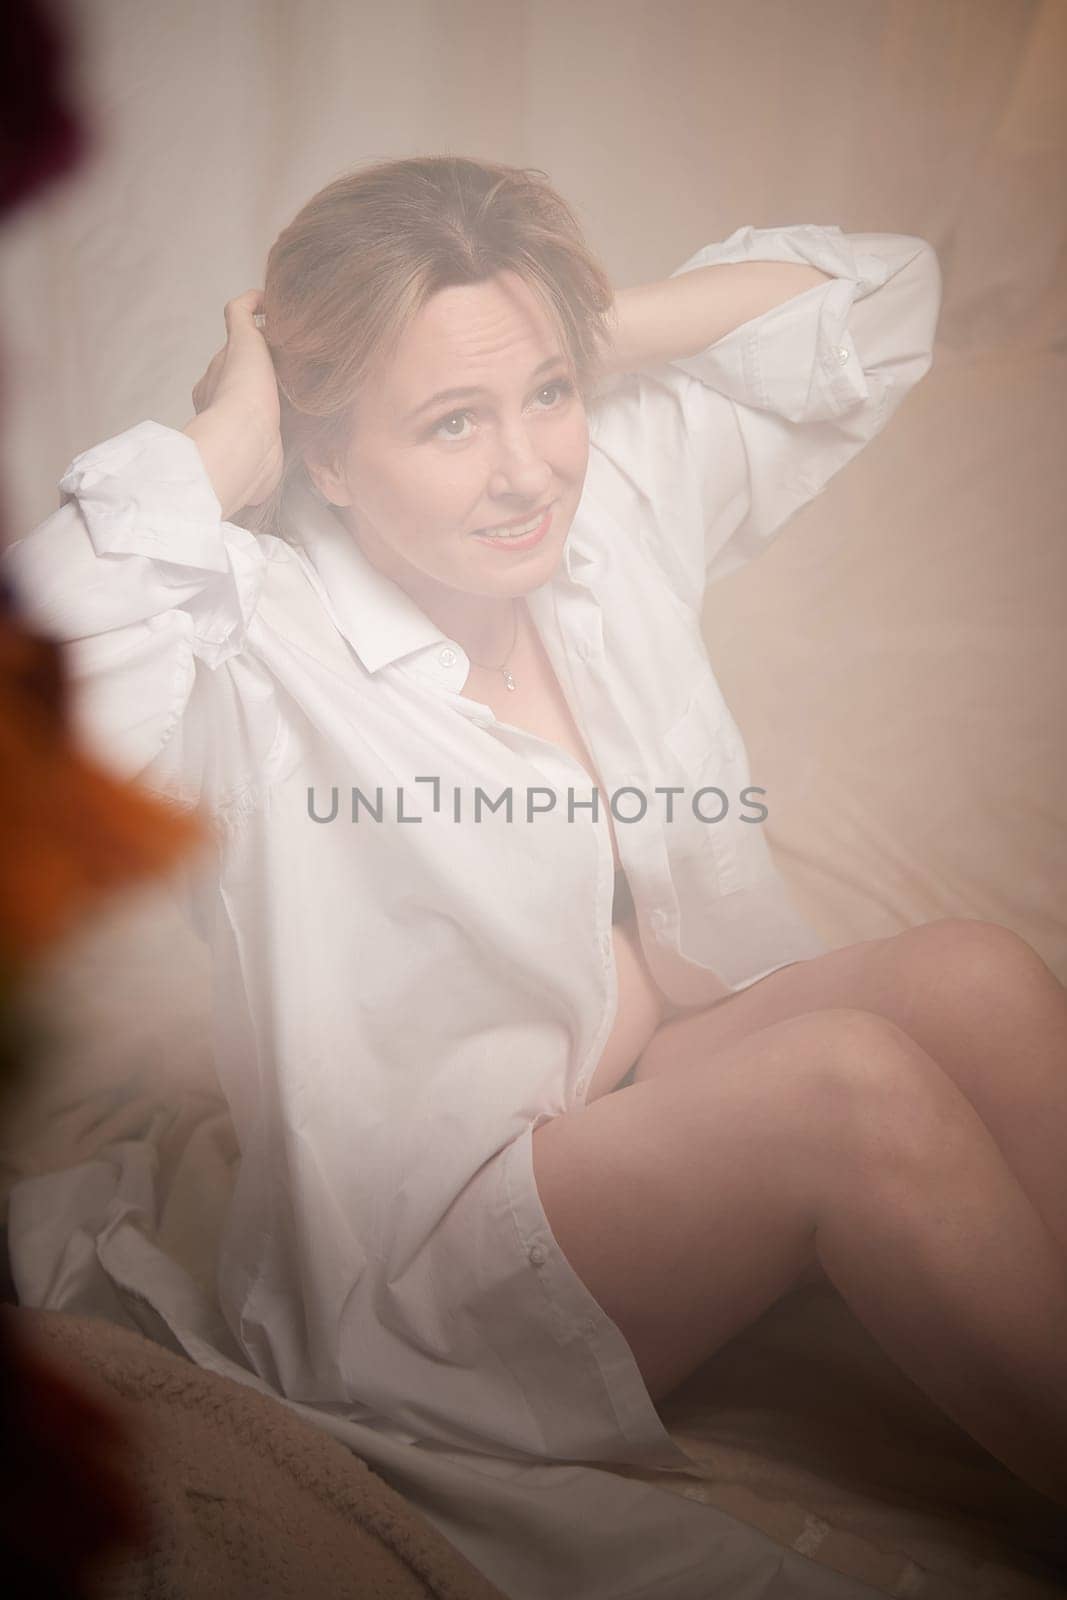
(435,430)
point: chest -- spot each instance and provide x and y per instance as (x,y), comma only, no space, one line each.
(538,705)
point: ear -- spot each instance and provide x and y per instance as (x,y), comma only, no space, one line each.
(329,479)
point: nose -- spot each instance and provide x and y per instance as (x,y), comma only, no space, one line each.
(520,471)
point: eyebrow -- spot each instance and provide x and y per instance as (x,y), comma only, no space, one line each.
(461,394)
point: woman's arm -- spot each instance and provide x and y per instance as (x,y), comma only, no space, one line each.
(139,578)
(680,316)
(237,426)
(725,444)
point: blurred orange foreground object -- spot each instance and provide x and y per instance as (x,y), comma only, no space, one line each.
(69,832)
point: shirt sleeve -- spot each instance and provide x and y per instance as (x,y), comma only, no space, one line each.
(725,446)
(138,575)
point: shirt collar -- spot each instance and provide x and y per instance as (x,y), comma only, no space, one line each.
(379,619)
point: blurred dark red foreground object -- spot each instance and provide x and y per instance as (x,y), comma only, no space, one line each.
(67,1488)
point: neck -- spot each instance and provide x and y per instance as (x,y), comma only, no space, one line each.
(484,625)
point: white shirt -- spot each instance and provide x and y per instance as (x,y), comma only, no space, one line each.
(400,1003)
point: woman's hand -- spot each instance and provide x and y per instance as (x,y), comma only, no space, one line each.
(237,428)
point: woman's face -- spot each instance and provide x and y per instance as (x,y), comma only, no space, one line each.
(423,477)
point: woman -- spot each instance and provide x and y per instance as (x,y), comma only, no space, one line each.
(417,587)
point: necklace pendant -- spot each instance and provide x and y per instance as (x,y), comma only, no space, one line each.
(509,681)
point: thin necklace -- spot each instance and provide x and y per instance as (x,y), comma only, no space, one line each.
(509,681)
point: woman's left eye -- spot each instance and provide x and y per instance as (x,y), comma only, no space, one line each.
(563,385)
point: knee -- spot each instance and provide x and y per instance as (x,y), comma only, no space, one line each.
(967,963)
(873,1092)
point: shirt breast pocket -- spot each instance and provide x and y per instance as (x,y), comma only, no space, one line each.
(709,763)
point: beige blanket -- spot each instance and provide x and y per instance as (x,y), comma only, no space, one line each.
(246,1500)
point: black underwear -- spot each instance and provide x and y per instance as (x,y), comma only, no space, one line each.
(623,903)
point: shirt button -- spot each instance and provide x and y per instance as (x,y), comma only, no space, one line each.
(605,945)
(657,918)
(585,649)
(842,354)
(580,1085)
(587,1327)
(537,1254)
(447,656)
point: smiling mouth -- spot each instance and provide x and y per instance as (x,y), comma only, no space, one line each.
(516,530)
(527,536)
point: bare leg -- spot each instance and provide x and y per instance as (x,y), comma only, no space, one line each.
(688,1204)
(977,998)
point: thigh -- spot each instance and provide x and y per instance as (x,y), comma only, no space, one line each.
(688,1204)
(864,975)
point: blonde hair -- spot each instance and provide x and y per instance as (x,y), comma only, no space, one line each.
(364,255)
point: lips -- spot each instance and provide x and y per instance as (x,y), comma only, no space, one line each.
(516,522)
(517,543)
